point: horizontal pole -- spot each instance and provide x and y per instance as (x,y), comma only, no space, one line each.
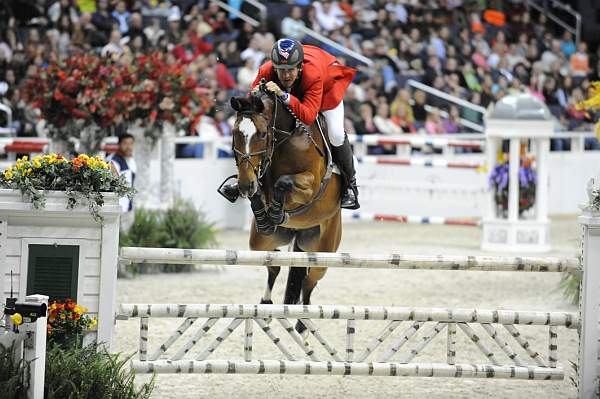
(437,220)
(237,13)
(426,163)
(346,368)
(346,260)
(324,39)
(416,141)
(445,96)
(344,312)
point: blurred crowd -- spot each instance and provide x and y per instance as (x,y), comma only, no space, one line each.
(477,51)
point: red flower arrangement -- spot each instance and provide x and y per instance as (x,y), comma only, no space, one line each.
(82,89)
(68,318)
(87,90)
(165,92)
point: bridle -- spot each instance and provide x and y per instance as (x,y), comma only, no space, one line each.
(273,142)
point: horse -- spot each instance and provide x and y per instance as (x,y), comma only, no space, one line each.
(285,170)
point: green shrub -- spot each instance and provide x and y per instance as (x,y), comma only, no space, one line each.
(89,373)
(14,376)
(181,226)
(145,231)
(570,283)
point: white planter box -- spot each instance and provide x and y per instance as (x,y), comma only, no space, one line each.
(21,226)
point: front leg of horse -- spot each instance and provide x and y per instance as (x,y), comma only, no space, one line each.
(283,186)
(263,222)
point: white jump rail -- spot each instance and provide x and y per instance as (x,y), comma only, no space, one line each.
(346,260)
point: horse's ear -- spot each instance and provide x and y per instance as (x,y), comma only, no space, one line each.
(237,103)
(257,104)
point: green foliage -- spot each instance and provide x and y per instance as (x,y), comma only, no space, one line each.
(90,373)
(145,231)
(570,284)
(181,226)
(14,376)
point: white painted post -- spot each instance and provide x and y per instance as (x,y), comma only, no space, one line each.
(108,280)
(541,196)
(491,148)
(167,159)
(589,334)
(34,349)
(513,181)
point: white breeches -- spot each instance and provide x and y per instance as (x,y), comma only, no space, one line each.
(335,124)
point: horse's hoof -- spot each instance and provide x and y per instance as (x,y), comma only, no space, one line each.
(266,302)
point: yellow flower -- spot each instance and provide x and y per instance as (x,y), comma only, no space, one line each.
(37,164)
(25,158)
(17,319)
(29,171)
(94,322)
(8,174)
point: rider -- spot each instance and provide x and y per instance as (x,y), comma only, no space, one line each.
(310,80)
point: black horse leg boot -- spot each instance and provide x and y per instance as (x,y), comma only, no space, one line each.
(342,156)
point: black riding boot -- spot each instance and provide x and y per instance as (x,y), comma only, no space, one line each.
(342,156)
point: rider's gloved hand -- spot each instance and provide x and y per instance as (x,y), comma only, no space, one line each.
(272,87)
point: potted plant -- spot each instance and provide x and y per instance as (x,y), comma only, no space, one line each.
(67,322)
(499,183)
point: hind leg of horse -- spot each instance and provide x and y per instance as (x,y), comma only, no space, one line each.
(328,240)
(262,242)
(296,276)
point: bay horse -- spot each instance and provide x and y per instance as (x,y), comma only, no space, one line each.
(285,169)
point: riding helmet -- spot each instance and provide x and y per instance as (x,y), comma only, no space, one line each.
(287,54)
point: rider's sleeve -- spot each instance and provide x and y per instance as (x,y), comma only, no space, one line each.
(308,109)
(263,72)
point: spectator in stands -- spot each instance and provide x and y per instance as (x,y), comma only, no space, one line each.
(580,64)
(452,124)
(403,120)
(114,45)
(366,125)
(254,51)
(383,122)
(292,25)
(433,122)
(102,19)
(418,109)
(154,32)
(121,15)
(329,15)
(567,45)
(246,74)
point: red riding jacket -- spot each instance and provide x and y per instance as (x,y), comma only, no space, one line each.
(321,86)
